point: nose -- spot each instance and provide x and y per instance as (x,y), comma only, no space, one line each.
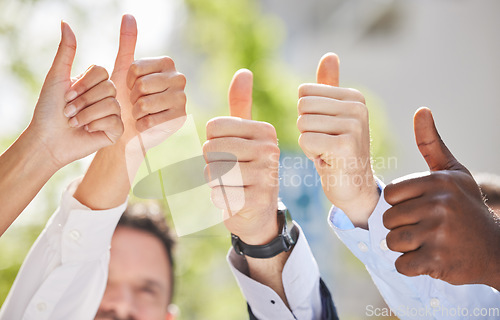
(118,299)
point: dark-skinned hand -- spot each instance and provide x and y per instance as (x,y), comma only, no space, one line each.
(439,221)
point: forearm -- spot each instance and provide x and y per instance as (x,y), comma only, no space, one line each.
(66,269)
(24,168)
(107,182)
(299,276)
(269,272)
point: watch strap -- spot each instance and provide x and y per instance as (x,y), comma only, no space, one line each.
(283,242)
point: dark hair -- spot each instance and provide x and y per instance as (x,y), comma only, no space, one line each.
(148,217)
(490,187)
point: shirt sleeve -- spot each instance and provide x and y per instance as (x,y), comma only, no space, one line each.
(64,275)
(420,297)
(301,282)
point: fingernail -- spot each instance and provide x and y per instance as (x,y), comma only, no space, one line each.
(73,122)
(70,111)
(70,95)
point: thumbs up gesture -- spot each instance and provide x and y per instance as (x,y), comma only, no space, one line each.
(439,221)
(248,192)
(333,123)
(74,117)
(150,91)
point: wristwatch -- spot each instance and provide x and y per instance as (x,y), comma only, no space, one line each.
(286,239)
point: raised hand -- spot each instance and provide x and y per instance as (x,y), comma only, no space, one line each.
(150,91)
(248,193)
(333,123)
(73,119)
(153,107)
(439,221)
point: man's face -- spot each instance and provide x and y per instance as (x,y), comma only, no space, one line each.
(138,283)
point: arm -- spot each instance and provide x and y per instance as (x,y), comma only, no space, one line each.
(401,292)
(275,287)
(420,226)
(153,106)
(68,260)
(58,133)
(71,256)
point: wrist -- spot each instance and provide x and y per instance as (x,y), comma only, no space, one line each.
(361,207)
(32,149)
(260,231)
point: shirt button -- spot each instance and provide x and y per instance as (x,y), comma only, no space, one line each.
(74,235)
(41,307)
(383,245)
(362,246)
(434,302)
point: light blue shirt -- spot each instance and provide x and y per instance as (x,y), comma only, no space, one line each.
(419,297)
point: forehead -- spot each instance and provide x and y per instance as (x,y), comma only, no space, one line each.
(138,256)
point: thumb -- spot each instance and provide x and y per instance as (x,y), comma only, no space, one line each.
(61,67)
(128,39)
(328,70)
(430,145)
(240,94)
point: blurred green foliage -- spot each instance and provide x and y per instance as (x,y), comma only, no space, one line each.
(237,34)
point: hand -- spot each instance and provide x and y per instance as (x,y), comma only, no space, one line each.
(150,91)
(439,221)
(248,194)
(153,106)
(333,123)
(89,103)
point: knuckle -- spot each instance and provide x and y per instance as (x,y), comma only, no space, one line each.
(140,84)
(304,140)
(390,240)
(141,106)
(83,101)
(212,127)
(181,78)
(110,88)
(167,62)
(134,69)
(387,218)
(356,95)
(304,90)
(102,72)
(269,130)
(268,150)
(300,105)
(207,147)
(441,206)
(359,108)
(401,266)
(301,123)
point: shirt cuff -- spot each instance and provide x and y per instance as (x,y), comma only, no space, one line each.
(300,281)
(85,234)
(364,244)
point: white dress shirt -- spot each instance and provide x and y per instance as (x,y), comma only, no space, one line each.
(420,297)
(300,281)
(65,273)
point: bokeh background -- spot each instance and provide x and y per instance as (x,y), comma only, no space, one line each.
(403,54)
